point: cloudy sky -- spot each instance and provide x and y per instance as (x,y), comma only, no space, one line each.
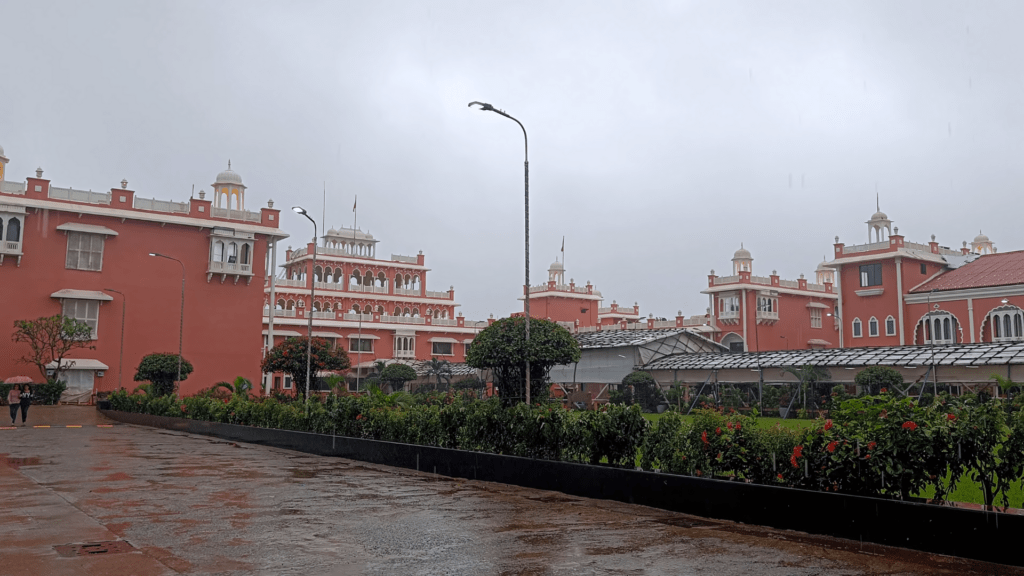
(662,135)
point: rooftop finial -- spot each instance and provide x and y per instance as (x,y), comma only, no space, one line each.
(229,164)
(878,207)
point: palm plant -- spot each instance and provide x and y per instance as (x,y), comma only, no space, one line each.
(442,370)
(242,386)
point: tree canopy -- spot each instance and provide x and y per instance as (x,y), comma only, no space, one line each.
(646,391)
(397,375)
(874,378)
(502,348)
(50,338)
(289,357)
(161,369)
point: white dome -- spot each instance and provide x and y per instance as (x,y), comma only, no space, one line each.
(879,216)
(332,232)
(821,266)
(980,238)
(557,266)
(742,253)
(228,177)
(350,234)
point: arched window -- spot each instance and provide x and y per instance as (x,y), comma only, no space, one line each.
(380,310)
(280,304)
(398,312)
(318,274)
(444,313)
(415,312)
(355,278)
(316,306)
(398,281)
(13,230)
(218,251)
(890,326)
(368,278)
(873,327)
(857,328)
(232,253)
(406,312)
(382,280)
(939,328)
(2,227)
(245,254)
(1007,324)
(368,309)
(291,305)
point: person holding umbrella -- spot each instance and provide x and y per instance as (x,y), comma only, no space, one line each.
(16,396)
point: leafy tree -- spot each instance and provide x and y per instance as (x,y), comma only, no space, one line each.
(442,370)
(875,378)
(502,347)
(378,367)
(810,377)
(50,338)
(242,386)
(162,370)
(397,375)
(289,357)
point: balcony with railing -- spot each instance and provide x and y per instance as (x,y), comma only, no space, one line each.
(353,317)
(664,323)
(695,321)
(766,315)
(729,314)
(403,320)
(86,196)
(286,283)
(404,259)
(230,268)
(437,294)
(17,188)
(367,289)
(338,286)
(407,291)
(10,247)
(406,355)
(160,205)
(444,321)
(229,214)
(278,313)
(325,315)
(726,280)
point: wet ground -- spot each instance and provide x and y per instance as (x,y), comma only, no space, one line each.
(182,504)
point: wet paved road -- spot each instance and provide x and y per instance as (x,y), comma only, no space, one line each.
(194,505)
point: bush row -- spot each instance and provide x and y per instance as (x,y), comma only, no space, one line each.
(882,446)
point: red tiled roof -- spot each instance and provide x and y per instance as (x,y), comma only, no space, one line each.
(1003,269)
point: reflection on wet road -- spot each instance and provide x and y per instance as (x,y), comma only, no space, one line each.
(199,505)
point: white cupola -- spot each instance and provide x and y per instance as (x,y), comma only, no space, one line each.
(742,261)
(229,186)
(556,273)
(982,245)
(879,222)
(823,274)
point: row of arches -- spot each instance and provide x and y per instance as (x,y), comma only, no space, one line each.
(349,247)
(318,306)
(231,252)
(1003,324)
(356,277)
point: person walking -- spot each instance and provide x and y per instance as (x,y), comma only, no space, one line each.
(26,401)
(14,400)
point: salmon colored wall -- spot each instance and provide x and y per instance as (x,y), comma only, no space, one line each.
(221,328)
(560,309)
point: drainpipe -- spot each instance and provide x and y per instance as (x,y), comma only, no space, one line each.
(273,303)
(899,297)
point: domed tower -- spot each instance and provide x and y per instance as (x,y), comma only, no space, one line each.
(824,275)
(982,245)
(229,185)
(556,273)
(879,222)
(742,261)
(3,163)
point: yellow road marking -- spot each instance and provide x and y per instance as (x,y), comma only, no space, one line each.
(104,425)
(46,426)
(73,426)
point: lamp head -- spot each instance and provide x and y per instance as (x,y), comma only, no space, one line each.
(153,254)
(299,210)
(1005,301)
(482,106)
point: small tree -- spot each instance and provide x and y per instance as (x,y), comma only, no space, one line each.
(396,375)
(646,391)
(442,370)
(50,339)
(502,347)
(289,357)
(242,386)
(162,370)
(876,378)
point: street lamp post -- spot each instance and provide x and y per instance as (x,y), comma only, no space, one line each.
(181,320)
(309,312)
(931,330)
(120,361)
(526,169)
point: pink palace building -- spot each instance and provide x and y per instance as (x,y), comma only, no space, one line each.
(87,255)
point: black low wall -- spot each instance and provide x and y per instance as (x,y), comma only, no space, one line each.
(987,536)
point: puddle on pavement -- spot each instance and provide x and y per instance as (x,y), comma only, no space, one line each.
(19,462)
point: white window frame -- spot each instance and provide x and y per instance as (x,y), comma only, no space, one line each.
(815,317)
(360,345)
(91,315)
(434,352)
(997,317)
(941,317)
(890,322)
(857,328)
(286,383)
(873,328)
(76,237)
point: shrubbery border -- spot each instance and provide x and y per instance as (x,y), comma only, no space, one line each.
(986,536)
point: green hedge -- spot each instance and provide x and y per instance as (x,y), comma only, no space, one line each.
(880,446)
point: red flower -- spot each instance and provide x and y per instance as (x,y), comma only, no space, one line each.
(828,424)
(359,417)
(704,436)
(779,476)
(728,425)
(832,446)
(798,451)
(718,431)
(871,445)
(910,425)
(883,414)
(884,390)
(868,457)
(719,455)
(737,426)
(792,460)
(183,408)
(950,417)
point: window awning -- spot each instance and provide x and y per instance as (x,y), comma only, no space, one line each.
(90,228)
(364,337)
(287,333)
(467,341)
(819,342)
(440,339)
(78,364)
(71,294)
(817,305)
(325,334)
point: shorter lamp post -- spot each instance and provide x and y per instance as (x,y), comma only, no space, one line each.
(181,320)
(120,361)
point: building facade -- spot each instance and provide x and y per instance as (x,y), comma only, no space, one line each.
(375,308)
(90,255)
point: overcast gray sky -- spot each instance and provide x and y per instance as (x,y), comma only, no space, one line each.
(662,134)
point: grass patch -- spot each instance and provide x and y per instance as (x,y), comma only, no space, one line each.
(792,423)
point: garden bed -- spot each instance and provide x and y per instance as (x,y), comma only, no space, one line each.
(975,534)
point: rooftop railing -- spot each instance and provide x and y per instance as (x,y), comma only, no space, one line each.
(160,205)
(12,187)
(73,195)
(405,259)
(444,321)
(246,215)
